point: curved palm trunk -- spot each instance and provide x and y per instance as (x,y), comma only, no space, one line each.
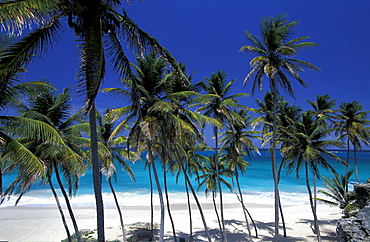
(314,193)
(215,208)
(168,203)
(356,168)
(118,208)
(152,162)
(197,202)
(190,214)
(274,170)
(245,210)
(59,208)
(151,204)
(280,206)
(96,174)
(282,216)
(223,231)
(69,207)
(241,200)
(316,225)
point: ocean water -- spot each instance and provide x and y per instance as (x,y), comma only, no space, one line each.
(257,185)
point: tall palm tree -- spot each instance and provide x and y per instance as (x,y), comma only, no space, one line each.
(186,140)
(211,178)
(95,24)
(159,119)
(324,106)
(219,104)
(353,127)
(193,166)
(307,147)
(237,144)
(145,93)
(266,118)
(265,114)
(112,150)
(54,109)
(274,50)
(287,115)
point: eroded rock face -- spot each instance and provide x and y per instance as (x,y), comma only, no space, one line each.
(356,228)
(363,194)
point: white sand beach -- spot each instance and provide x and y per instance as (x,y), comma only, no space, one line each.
(44,224)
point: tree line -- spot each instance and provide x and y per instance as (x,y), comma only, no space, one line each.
(165,115)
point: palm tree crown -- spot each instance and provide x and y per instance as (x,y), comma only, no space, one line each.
(274,50)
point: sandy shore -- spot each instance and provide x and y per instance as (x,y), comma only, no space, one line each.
(44,223)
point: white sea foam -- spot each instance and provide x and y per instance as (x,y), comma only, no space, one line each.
(45,199)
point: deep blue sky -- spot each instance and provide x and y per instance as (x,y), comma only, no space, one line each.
(207,34)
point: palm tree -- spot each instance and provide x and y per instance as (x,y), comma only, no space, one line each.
(159,117)
(186,139)
(324,106)
(265,118)
(54,109)
(145,91)
(274,50)
(193,166)
(12,90)
(219,104)
(112,147)
(339,194)
(95,23)
(211,178)
(352,127)
(237,144)
(308,148)
(265,110)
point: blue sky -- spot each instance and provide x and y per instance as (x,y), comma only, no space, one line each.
(206,35)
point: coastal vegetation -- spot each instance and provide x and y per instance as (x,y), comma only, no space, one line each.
(163,115)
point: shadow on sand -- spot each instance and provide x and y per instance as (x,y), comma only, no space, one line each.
(237,232)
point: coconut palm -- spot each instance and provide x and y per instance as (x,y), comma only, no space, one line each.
(324,106)
(339,194)
(307,147)
(265,114)
(352,127)
(274,50)
(219,104)
(145,93)
(237,144)
(158,116)
(189,163)
(179,126)
(180,92)
(265,110)
(96,24)
(53,109)
(213,175)
(193,166)
(112,150)
(287,115)
(12,90)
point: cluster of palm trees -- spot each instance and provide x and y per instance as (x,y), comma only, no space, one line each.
(164,112)
(304,137)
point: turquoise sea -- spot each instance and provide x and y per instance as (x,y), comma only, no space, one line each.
(257,185)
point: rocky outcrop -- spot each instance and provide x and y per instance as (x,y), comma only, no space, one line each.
(356,228)
(362,194)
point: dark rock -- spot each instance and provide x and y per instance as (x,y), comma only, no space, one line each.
(356,228)
(363,194)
